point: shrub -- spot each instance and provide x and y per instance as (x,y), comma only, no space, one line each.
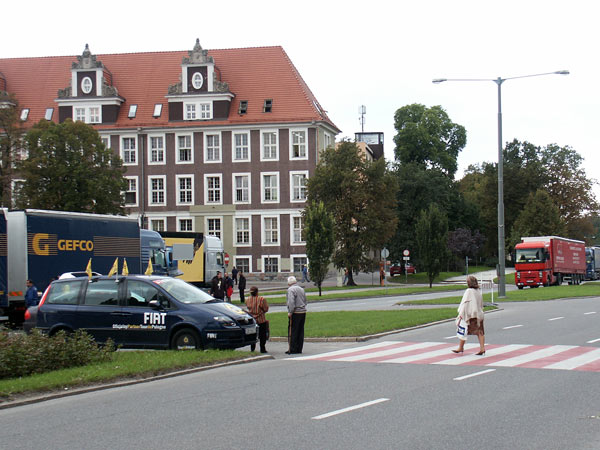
(22,355)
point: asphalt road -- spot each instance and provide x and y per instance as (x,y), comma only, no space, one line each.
(318,404)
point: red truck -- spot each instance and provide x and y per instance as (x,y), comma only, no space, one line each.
(549,260)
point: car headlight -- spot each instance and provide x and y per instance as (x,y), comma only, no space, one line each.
(225,321)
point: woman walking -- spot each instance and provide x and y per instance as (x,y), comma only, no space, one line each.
(471,311)
(257,307)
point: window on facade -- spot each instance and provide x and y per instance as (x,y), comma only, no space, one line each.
(186,225)
(243,107)
(24,114)
(242,188)
(298,230)
(80,114)
(129,151)
(157,110)
(241,148)
(270,188)
(184,148)
(271,265)
(131,193)
(213,147)
(298,144)
(268,106)
(157,149)
(190,111)
(48,115)
(213,189)
(132,111)
(269,150)
(106,142)
(205,110)
(185,190)
(157,224)
(243,264)
(94,114)
(299,190)
(298,262)
(197,80)
(86,85)
(157,191)
(242,230)
(271,230)
(214,227)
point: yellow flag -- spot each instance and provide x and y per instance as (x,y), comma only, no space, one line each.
(149,269)
(115,268)
(125,268)
(88,269)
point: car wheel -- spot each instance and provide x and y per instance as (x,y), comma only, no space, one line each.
(186,339)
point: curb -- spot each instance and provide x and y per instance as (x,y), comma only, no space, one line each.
(76,391)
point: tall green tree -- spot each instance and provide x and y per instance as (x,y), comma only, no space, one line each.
(360,195)
(432,232)
(318,234)
(68,168)
(11,133)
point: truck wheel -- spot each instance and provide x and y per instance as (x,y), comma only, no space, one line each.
(186,339)
(559,279)
(520,287)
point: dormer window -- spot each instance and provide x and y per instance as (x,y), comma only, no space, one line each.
(198,111)
(132,111)
(268,105)
(157,110)
(24,114)
(86,85)
(87,114)
(48,115)
(243,107)
(197,80)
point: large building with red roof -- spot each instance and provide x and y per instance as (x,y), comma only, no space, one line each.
(214,141)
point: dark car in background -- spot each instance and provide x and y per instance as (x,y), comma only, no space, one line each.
(140,311)
(399,269)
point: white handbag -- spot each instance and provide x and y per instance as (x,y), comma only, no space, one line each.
(461,329)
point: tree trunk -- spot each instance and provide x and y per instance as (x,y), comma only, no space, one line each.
(350,279)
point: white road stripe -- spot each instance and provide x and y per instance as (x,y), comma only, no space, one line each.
(593,341)
(538,354)
(432,354)
(555,318)
(345,351)
(388,352)
(350,408)
(450,337)
(512,326)
(572,363)
(474,374)
(472,357)
(591,312)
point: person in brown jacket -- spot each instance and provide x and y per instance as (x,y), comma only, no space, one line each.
(257,307)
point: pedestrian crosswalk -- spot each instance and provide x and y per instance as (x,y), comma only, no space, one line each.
(560,357)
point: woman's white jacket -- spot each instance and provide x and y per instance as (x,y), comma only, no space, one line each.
(471,305)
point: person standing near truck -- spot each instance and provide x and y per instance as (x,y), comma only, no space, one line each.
(31,296)
(242,286)
(234,275)
(217,289)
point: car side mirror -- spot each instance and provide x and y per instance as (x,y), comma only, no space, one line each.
(154,304)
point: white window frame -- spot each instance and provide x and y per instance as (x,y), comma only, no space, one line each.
(179,219)
(248,257)
(86,117)
(235,232)
(135,151)
(233,146)
(178,201)
(177,148)
(205,110)
(87,85)
(197,80)
(262,187)
(213,175)
(292,187)
(150,190)
(164,158)
(137,190)
(197,111)
(207,231)
(262,145)
(220,148)
(157,219)
(262,262)
(298,130)
(234,188)
(264,230)
(292,230)
(301,255)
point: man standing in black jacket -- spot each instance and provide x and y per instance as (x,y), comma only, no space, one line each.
(242,285)
(217,290)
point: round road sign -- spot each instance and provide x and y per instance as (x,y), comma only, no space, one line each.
(406,253)
(226,259)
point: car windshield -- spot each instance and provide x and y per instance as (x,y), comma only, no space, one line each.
(184,292)
(530,255)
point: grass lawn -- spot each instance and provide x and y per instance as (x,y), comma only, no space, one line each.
(368,293)
(130,364)
(421,277)
(525,295)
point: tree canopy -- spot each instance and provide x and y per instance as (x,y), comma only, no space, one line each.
(360,195)
(318,234)
(68,168)
(11,131)
(432,231)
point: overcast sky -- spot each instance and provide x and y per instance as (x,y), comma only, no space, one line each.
(376,53)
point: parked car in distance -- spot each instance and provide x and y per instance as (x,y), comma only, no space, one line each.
(410,268)
(141,311)
(396,269)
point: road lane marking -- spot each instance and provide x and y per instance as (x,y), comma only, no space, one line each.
(488,353)
(350,408)
(588,313)
(555,318)
(572,363)
(593,341)
(512,326)
(532,356)
(474,374)
(450,337)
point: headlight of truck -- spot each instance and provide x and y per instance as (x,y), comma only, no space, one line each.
(541,274)
(225,321)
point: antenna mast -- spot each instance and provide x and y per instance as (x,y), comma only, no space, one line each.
(362,110)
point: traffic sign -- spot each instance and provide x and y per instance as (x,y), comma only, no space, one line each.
(385,253)
(406,253)
(226,259)
(406,258)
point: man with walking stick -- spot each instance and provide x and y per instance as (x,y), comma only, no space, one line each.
(296,304)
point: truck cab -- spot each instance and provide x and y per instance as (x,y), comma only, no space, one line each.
(533,264)
(153,248)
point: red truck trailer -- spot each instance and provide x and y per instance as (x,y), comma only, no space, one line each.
(549,260)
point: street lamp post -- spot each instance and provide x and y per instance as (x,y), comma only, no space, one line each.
(501,240)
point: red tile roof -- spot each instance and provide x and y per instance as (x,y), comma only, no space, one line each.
(253,74)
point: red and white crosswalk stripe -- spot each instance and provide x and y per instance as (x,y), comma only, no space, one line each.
(560,357)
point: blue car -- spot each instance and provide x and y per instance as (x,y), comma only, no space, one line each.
(140,311)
